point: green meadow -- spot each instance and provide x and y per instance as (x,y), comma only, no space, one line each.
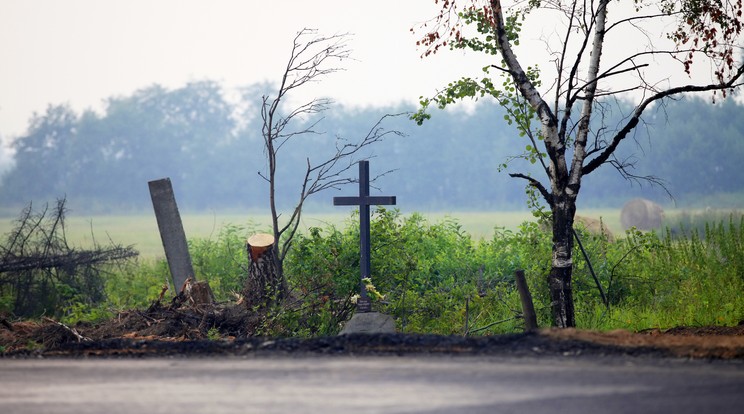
(141,230)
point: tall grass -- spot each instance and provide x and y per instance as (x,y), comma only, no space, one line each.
(679,278)
(436,276)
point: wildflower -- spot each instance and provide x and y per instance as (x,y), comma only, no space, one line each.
(371,289)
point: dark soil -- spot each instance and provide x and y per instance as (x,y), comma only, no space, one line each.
(167,331)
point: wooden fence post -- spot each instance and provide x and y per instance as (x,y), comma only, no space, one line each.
(528,309)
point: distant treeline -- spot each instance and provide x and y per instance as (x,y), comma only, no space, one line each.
(212,149)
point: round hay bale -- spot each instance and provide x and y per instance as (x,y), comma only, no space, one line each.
(642,214)
(593,226)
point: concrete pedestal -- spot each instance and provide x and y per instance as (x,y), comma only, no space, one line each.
(369,322)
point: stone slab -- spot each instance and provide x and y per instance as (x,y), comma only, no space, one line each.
(171,232)
(369,322)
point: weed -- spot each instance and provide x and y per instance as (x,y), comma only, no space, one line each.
(213,334)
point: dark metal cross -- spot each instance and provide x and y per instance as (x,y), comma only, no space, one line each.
(364,200)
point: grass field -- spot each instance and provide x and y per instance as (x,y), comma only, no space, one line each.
(142,230)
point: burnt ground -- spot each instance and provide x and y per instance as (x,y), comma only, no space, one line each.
(165,331)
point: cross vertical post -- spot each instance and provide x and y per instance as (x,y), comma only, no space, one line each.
(364,238)
(364,201)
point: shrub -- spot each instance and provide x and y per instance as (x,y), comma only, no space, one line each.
(427,272)
(222,262)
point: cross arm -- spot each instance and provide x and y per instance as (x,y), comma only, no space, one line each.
(368,201)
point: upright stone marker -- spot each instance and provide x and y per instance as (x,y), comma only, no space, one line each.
(364,200)
(171,231)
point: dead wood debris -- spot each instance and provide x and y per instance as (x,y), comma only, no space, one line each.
(36,255)
(73,331)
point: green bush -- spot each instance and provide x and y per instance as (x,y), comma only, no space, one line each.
(222,262)
(137,284)
(426,272)
(435,279)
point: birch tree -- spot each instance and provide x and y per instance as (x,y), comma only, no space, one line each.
(597,51)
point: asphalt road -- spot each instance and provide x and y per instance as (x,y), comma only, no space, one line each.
(370,385)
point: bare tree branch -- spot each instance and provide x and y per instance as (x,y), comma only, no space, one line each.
(537,184)
(635,18)
(633,121)
(312,58)
(37,258)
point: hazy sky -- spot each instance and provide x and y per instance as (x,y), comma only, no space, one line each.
(83,51)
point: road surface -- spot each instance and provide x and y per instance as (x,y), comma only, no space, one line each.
(370,385)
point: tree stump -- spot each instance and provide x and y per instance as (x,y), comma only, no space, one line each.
(201,294)
(264,285)
(194,294)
